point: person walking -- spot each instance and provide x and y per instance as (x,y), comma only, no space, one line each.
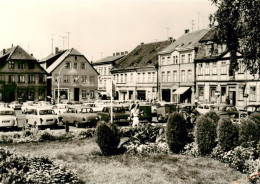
(135,114)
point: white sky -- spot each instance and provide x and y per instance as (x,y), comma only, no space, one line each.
(96,26)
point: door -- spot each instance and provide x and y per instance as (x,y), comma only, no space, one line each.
(76,94)
(166,95)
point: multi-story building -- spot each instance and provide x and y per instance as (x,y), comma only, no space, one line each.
(103,66)
(71,72)
(21,76)
(212,74)
(177,68)
(135,75)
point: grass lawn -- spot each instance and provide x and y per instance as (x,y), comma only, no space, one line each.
(84,157)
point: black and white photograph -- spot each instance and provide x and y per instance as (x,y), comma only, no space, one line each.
(130,91)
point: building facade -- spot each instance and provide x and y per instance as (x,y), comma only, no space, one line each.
(21,76)
(103,67)
(71,72)
(135,75)
(177,68)
(213,81)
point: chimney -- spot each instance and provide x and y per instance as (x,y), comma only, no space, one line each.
(56,50)
(114,54)
(186,31)
(3,51)
(126,52)
(12,45)
(118,54)
(31,54)
(142,43)
(170,38)
(122,53)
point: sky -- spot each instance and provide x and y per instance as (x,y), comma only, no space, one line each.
(97,28)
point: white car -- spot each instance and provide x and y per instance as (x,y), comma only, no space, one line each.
(15,105)
(42,117)
(27,106)
(60,108)
(204,108)
(8,118)
(44,104)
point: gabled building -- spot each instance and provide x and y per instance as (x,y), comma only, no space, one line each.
(213,81)
(21,76)
(136,74)
(103,66)
(78,79)
(177,68)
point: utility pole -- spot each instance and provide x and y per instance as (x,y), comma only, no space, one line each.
(192,24)
(68,39)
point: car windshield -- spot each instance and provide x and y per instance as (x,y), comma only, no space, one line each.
(118,109)
(46,112)
(86,110)
(4,113)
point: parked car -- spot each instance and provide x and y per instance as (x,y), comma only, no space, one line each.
(164,111)
(44,104)
(15,105)
(60,108)
(249,109)
(227,110)
(204,108)
(119,114)
(26,106)
(145,113)
(3,104)
(83,116)
(8,118)
(41,117)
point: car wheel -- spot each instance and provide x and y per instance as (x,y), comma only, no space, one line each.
(77,124)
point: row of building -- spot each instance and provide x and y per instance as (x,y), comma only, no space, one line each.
(195,67)
(192,68)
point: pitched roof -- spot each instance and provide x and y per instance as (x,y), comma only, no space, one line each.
(145,55)
(16,52)
(108,59)
(211,35)
(186,41)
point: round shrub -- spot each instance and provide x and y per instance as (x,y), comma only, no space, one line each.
(227,134)
(248,132)
(213,115)
(205,134)
(108,138)
(176,132)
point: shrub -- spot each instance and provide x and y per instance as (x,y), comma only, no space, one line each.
(205,134)
(191,149)
(108,138)
(256,118)
(176,132)
(46,136)
(227,134)
(248,132)
(213,115)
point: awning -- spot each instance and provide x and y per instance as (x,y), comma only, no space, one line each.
(181,90)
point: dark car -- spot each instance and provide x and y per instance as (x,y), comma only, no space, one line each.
(119,114)
(249,109)
(227,110)
(145,113)
(164,111)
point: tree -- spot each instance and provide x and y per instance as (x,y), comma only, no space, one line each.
(237,25)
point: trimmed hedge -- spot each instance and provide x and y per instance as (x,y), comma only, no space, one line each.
(256,118)
(213,115)
(205,134)
(248,132)
(107,138)
(176,132)
(227,134)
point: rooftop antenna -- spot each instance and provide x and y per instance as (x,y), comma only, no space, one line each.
(192,24)
(198,20)
(52,43)
(63,37)
(28,45)
(167,30)
(68,39)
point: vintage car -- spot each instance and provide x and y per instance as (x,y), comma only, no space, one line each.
(60,108)
(227,110)
(119,114)
(3,104)
(26,106)
(40,117)
(205,108)
(15,105)
(8,118)
(80,116)
(164,111)
(249,109)
(145,113)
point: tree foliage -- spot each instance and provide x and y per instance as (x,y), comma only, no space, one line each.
(238,26)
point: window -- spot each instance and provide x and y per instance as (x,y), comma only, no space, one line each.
(117,78)
(175,76)
(21,78)
(41,94)
(68,65)
(2,78)
(149,77)
(163,60)
(223,68)
(168,76)
(76,58)
(31,65)
(92,80)
(163,76)
(138,77)
(189,58)
(183,75)
(121,77)
(66,79)
(11,65)
(21,65)
(153,80)
(144,77)
(105,70)
(31,79)
(212,94)
(75,78)
(105,82)
(240,93)
(83,66)
(41,79)
(206,68)
(11,78)
(200,68)
(56,78)
(214,68)
(75,65)
(252,94)
(91,93)
(173,59)
(84,79)
(209,49)
(201,93)
(223,93)
(182,58)
(176,61)
(100,81)
(125,78)
(132,77)
(189,75)
(168,60)
(84,93)
(241,66)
